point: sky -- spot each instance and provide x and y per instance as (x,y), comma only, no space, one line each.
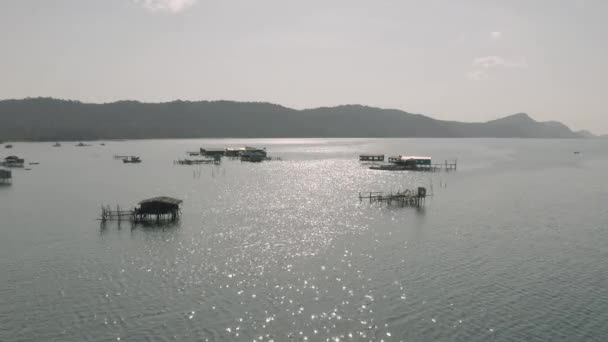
(466,60)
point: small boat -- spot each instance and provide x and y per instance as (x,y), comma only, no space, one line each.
(34,163)
(82,144)
(577,152)
(102,144)
(132,159)
(57,144)
(8,146)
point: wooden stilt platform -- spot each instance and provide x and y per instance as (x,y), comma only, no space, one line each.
(154,209)
(447,166)
(215,161)
(413,198)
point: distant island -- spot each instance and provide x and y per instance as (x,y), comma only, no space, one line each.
(48,119)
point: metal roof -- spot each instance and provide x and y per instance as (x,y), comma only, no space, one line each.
(244,148)
(162,199)
(414,157)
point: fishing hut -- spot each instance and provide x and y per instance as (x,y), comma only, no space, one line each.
(13,161)
(212,152)
(153,209)
(372,157)
(6,176)
(236,152)
(159,208)
(415,163)
(412,198)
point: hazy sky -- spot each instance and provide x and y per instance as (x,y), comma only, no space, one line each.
(469,60)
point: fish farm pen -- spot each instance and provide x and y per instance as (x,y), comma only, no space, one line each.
(412,198)
(153,209)
(6,176)
(216,160)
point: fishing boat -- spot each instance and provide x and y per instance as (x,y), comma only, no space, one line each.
(132,160)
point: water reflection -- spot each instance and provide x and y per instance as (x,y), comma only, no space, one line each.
(153,225)
(286,251)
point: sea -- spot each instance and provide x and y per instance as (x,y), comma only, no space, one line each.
(512,246)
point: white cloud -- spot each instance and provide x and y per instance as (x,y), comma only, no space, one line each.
(483,65)
(498,61)
(477,75)
(173,6)
(496,35)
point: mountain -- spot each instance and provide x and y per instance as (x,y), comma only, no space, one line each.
(52,119)
(587,134)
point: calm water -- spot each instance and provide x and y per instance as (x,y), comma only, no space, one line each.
(512,247)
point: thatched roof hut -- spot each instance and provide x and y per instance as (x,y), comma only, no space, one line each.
(159,206)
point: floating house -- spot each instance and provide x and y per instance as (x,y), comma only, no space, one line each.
(6,176)
(252,157)
(413,161)
(212,152)
(13,161)
(245,150)
(371,157)
(158,208)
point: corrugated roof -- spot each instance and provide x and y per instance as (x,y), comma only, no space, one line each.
(414,157)
(162,199)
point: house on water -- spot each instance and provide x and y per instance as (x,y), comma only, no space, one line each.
(13,161)
(212,152)
(158,208)
(6,176)
(371,157)
(411,161)
(245,150)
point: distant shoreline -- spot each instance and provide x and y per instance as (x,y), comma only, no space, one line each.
(4,142)
(47,119)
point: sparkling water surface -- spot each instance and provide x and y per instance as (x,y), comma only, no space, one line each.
(511,247)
